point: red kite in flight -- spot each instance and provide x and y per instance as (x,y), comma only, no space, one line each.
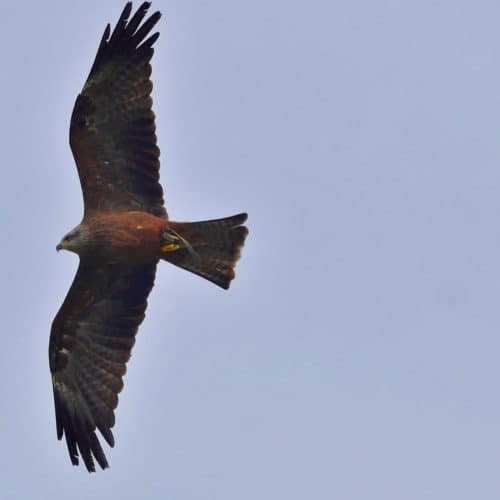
(125,231)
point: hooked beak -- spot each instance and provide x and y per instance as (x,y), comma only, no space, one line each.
(59,247)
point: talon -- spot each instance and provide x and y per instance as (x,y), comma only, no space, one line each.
(170,247)
(169,236)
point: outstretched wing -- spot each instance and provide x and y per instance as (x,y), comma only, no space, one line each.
(112,132)
(90,342)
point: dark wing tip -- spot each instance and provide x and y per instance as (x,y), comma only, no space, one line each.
(239,219)
(81,438)
(127,35)
(106,33)
(139,35)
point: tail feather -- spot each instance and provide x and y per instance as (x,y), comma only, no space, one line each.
(216,244)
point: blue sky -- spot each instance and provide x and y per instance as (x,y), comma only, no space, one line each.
(356,354)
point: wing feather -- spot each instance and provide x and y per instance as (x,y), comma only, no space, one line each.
(90,342)
(112,132)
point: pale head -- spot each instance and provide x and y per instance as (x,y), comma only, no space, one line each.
(73,241)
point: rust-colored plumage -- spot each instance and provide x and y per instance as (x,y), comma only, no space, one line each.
(125,231)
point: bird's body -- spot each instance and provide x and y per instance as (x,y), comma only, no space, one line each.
(125,231)
(126,237)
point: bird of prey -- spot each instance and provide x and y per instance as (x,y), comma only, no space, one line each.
(125,231)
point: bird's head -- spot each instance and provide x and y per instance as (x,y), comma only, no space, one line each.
(72,241)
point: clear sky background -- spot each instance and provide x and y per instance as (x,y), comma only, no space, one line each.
(356,356)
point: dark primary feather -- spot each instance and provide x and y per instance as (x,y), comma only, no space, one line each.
(112,132)
(90,342)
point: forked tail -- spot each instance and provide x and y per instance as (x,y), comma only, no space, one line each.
(209,248)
